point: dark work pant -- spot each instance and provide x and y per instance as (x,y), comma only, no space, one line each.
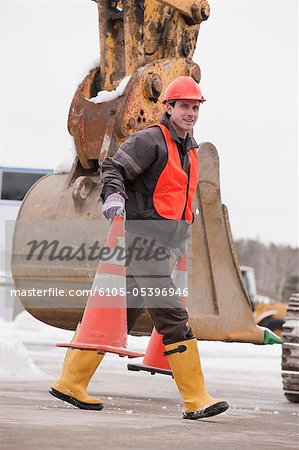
(148,273)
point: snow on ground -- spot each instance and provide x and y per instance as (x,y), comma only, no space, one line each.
(218,358)
(31,331)
(15,362)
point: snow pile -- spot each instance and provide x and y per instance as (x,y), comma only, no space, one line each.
(15,361)
(108,96)
(65,165)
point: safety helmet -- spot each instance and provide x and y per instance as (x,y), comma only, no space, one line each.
(183,88)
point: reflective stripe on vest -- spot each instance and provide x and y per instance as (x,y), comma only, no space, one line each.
(172,193)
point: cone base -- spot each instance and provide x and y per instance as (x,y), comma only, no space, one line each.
(101,348)
(152,370)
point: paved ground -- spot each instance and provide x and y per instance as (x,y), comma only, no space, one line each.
(144,411)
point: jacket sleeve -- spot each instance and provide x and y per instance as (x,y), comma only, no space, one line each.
(132,158)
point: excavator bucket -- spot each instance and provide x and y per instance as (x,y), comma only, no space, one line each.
(219,306)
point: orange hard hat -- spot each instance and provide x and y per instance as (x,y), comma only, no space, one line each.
(183,88)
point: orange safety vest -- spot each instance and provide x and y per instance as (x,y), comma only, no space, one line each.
(174,192)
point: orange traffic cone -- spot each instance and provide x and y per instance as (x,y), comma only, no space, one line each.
(104,322)
(154,360)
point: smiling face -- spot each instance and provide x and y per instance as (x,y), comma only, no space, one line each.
(184,115)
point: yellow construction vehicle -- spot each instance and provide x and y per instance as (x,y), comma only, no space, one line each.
(266,311)
(144,45)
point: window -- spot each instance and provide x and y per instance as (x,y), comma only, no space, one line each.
(15,183)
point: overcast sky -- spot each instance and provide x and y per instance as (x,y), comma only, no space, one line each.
(247,52)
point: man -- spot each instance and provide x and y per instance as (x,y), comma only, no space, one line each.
(153,177)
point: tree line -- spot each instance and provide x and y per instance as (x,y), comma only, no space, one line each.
(276,267)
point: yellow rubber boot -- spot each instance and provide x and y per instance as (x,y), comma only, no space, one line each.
(186,368)
(77,370)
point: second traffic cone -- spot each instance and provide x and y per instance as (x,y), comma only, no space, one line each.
(154,355)
(104,322)
(154,360)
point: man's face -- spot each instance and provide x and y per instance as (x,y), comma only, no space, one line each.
(184,114)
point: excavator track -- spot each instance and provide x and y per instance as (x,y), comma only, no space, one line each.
(290,351)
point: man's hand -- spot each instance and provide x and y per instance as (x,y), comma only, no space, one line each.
(114,205)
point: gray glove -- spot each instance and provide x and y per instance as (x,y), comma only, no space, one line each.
(114,205)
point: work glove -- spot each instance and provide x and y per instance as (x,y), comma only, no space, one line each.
(114,205)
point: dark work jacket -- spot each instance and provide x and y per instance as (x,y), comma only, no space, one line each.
(134,171)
